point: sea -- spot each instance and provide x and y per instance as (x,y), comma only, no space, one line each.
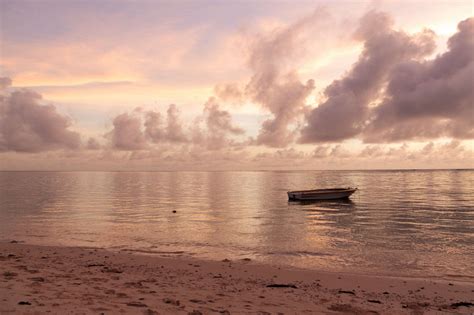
(416,223)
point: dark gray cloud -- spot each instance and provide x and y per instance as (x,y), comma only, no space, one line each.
(430,99)
(26,125)
(344,112)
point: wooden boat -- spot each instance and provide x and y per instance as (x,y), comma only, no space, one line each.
(321,194)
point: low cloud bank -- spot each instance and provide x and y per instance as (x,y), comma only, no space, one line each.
(138,130)
(26,125)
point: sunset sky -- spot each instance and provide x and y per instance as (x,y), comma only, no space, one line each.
(236,85)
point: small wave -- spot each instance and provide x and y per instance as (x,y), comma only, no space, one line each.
(157,252)
(299,253)
(460,276)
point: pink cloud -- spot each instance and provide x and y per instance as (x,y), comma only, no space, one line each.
(343,114)
(430,99)
(127,133)
(213,130)
(26,125)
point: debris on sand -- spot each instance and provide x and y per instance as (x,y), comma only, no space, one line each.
(278,285)
(136,304)
(459,304)
(346,292)
(171,301)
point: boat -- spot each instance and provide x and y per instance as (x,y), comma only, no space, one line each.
(321,194)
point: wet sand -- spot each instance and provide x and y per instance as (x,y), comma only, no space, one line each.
(59,280)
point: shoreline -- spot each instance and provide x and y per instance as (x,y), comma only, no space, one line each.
(79,280)
(355,272)
(160,252)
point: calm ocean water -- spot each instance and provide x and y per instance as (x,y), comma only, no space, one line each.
(399,223)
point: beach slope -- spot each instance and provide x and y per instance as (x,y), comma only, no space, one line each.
(45,279)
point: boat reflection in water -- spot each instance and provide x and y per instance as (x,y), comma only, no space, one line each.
(332,204)
(321,194)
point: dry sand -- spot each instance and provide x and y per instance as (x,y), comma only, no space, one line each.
(61,280)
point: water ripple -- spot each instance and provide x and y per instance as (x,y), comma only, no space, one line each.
(403,222)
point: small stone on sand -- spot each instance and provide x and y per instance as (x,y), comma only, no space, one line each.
(171,301)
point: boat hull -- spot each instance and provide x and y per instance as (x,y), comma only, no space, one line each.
(321,194)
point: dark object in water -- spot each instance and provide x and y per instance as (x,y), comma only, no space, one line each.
(276,285)
(321,194)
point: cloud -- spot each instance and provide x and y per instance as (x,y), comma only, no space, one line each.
(286,101)
(157,130)
(219,120)
(275,84)
(336,152)
(174,129)
(213,130)
(229,92)
(434,152)
(321,151)
(154,129)
(219,126)
(371,151)
(127,133)
(93,144)
(5,82)
(28,126)
(344,112)
(391,93)
(430,99)
(281,157)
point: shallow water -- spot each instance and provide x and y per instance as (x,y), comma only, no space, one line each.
(398,223)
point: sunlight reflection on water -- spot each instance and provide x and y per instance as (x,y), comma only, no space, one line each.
(399,222)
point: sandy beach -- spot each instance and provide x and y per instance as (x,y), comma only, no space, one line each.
(43,279)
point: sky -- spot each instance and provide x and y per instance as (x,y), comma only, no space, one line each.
(236,85)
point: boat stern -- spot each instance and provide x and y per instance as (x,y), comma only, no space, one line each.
(291,195)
